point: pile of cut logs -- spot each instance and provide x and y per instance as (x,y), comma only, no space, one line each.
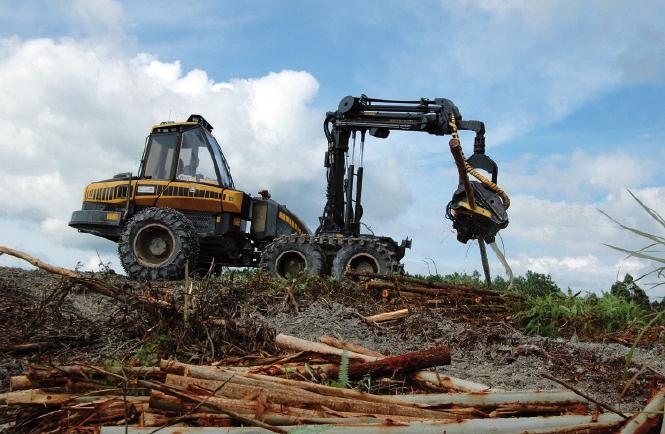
(304,391)
(435,296)
(432,292)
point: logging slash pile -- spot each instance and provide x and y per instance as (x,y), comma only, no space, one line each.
(84,352)
(291,392)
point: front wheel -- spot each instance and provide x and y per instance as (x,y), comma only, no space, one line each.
(365,258)
(157,243)
(289,256)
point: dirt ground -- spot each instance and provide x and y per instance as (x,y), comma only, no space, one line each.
(73,325)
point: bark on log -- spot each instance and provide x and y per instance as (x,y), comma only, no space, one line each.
(402,364)
(329,340)
(387,316)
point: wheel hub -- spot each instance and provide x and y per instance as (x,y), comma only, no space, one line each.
(290,263)
(158,246)
(154,245)
(363,263)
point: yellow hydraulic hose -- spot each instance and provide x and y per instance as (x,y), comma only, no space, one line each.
(492,186)
(471,171)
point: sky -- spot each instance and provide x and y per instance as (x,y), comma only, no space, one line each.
(571,94)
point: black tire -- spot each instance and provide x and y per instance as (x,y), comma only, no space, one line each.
(156,243)
(364,256)
(290,255)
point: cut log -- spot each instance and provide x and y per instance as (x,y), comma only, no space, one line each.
(20,382)
(54,384)
(208,402)
(40,397)
(163,401)
(37,397)
(649,417)
(498,399)
(297,344)
(537,425)
(448,382)
(402,364)
(209,419)
(402,281)
(293,397)
(388,316)
(265,381)
(91,371)
(329,340)
(275,414)
(149,418)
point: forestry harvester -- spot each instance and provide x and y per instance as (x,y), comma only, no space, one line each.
(182,206)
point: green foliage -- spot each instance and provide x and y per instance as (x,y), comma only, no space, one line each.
(555,315)
(653,250)
(659,316)
(629,291)
(343,376)
(536,285)
(533,284)
(472,279)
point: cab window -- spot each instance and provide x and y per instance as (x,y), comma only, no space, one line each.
(224,172)
(161,151)
(195,163)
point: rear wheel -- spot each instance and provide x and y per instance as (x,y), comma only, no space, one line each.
(368,257)
(289,256)
(157,243)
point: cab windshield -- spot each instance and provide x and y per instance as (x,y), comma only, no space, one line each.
(195,162)
(198,159)
(222,165)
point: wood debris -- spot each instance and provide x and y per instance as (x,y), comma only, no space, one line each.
(432,294)
(273,396)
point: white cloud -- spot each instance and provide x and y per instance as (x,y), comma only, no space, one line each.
(101,18)
(522,64)
(579,175)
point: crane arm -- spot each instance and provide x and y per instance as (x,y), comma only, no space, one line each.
(378,117)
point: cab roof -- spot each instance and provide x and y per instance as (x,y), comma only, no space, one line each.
(192,120)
